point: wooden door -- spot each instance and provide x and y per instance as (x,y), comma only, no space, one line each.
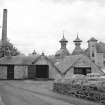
(31,72)
(10,72)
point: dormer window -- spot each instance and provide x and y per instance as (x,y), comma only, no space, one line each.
(92,54)
(104,62)
(92,45)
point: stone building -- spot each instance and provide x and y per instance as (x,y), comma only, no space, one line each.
(96,52)
(77,64)
(28,67)
(82,61)
(35,66)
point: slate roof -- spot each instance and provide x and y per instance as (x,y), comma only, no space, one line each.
(63,39)
(62,52)
(92,39)
(20,59)
(52,58)
(83,62)
(77,51)
(77,39)
(25,60)
(67,62)
(76,61)
(87,52)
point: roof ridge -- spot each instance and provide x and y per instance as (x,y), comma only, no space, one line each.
(72,65)
(53,64)
(34,61)
(48,60)
(94,63)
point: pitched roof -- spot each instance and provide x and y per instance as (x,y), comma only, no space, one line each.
(46,58)
(77,39)
(25,60)
(30,59)
(20,59)
(76,61)
(63,39)
(62,52)
(67,62)
(83,62)
(87,52)
(77,51)
(52,58)
(92,39)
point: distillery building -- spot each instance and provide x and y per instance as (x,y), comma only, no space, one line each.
(63,63)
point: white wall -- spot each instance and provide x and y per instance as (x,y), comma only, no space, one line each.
(20,72)
(99,60)
(3,72)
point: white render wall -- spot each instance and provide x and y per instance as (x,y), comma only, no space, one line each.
(3,72)
(20,72)
(99,60)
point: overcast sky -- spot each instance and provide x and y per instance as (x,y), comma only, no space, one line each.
(38,24)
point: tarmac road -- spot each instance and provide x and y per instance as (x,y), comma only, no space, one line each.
(34,93)
(15,96)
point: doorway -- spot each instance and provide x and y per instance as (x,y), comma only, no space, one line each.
(42,71)
(10,72)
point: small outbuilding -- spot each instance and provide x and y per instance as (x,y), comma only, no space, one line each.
(28,67)
(77,64)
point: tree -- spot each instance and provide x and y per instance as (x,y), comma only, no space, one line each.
(8,49)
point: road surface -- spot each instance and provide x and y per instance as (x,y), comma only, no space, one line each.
(20,93)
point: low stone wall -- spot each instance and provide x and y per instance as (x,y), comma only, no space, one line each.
(85,92)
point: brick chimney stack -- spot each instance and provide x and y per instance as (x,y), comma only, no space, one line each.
(4,26)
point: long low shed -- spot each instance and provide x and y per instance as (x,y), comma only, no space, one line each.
(11,72)
(31,67)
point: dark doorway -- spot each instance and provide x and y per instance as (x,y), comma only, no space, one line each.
(10,72)
(31,72)
(42,71)
(84,71)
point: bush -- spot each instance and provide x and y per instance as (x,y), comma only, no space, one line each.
(89,92)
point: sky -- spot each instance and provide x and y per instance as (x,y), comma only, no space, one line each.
(39,24)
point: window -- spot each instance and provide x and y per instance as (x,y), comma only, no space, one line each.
(93,46)
(93,61)
(92,54)
(82,70)
(104,62)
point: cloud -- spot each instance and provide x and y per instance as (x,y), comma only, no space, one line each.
(38,24)
(2,3)
(73,1)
